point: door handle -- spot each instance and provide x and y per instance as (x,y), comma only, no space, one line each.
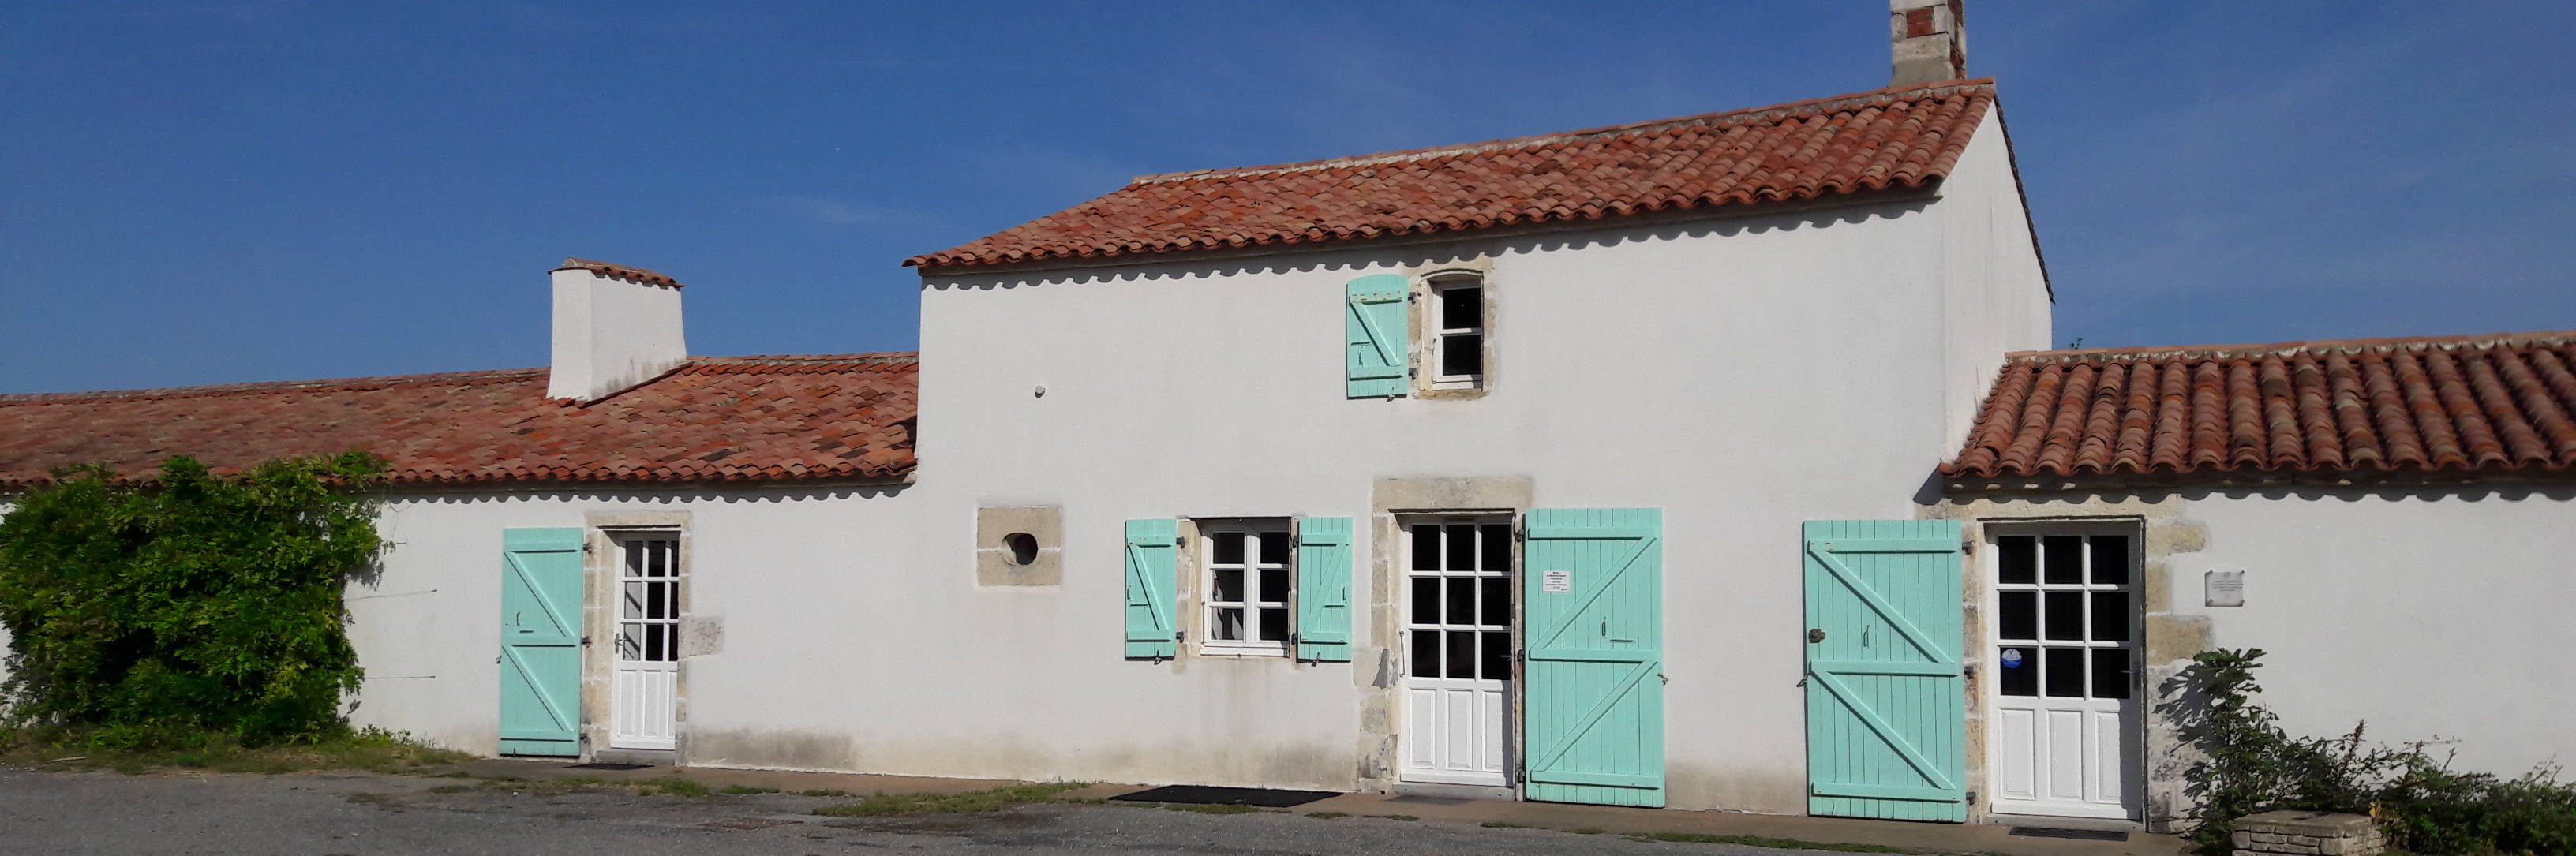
(1815,634)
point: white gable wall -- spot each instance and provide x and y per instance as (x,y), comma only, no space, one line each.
(1743,375)
(1997,294)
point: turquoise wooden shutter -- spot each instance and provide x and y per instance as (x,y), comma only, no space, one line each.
(1376,328)
(1593,697)
(1153,564)
(1887,714)
(1324,589)
(541,641)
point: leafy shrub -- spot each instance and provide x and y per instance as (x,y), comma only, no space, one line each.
(2254,766)
(160,612)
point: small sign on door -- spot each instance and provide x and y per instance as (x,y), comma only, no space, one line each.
(1556,582)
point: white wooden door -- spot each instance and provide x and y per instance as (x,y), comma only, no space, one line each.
(1458,644)
(644,692)
(2063,660)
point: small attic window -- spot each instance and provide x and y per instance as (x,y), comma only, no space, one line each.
(1457,331)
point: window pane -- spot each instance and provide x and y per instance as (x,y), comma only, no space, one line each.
(1497,648)
(2065,615)
(1462,308)
(2064,557)
(1229,586)
(1495,609)
(2020,618)
(1462,653)
(1229,623)
(1497,555)
(1462,600)
(1426,653)
(662,553)
(1274,548)
(2110,616)
(1274,585)
(2017,672)
(634,558)
(630,641)
(2110,560)
(1228,549)
(634,598)
(1462,547)
(1274,624)
(2065,674)
(1426,547)
(2110,673)
(1426,600)
(653,642)
(665,601)
(1462,354)
(2017,559)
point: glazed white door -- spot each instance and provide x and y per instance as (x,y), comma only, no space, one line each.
(644,694)
(2066,732)
(1458,644)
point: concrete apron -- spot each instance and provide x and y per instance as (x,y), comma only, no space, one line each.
(1927,837)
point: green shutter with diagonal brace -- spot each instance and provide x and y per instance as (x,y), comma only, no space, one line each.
(1324,589)
(1153,567)
(541,576)
(1593,707)
(1376,329)
(1886,697)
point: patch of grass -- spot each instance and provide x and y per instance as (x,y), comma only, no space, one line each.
(1761,841)
(904,805)
(1496,824)
(1219,808)
(372,750)
(1403,817)
(823,792)
(451,789)
(677,787)
(1587,830)
(369,798)
(746,789)
(1328,815)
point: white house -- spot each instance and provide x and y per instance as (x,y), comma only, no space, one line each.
(1710,463)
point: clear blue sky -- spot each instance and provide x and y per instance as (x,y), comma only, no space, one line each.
(212,192)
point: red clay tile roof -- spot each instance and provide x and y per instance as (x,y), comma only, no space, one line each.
(719,419)
(2463,405)
(1892,138)
(618,271)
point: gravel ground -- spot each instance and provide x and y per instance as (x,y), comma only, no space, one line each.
(318,814)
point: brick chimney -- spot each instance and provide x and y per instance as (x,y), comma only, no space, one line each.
(1930,41)
(615,327)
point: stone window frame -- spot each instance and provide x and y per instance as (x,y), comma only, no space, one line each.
(1424,285)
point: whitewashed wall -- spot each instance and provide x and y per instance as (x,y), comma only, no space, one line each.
(1745,375)
(2424,613)
(799,579)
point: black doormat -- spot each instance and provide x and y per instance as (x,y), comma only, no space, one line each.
(602,765)
(2077,834)
(1205,795)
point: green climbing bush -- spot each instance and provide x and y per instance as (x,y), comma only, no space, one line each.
(2254,766)
(160,612)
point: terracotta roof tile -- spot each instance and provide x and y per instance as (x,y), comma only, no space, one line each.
(1887,139)
(618,271)
(2427,406)
(714,419)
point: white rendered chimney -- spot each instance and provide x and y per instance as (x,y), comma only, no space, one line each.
(615,327)
(1930,41)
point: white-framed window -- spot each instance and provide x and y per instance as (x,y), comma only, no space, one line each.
(1246,586)
(648,593)
(1456,325)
